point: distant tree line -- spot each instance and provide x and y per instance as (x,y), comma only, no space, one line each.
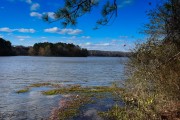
(5,48)
(109,53)
(20,50)
(57,49)
(42,49)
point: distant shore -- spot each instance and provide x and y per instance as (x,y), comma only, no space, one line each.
(55,49)
(100,53)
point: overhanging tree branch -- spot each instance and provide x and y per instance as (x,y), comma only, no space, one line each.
(73,9)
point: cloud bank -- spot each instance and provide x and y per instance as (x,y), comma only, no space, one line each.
(63,31)
(22,30)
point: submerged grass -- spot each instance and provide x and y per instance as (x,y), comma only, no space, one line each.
(23,90)
(82,96)
(60,89)
(70,108)
(80,90)
(40,84)
(26,89)
(79,96)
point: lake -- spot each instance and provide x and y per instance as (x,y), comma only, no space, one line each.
(21,71)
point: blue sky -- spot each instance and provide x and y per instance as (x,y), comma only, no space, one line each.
(21,23)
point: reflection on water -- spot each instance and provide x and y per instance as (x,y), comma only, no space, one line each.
(18,72)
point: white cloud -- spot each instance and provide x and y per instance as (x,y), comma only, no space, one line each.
(104,44)
(22,38)
(110,45)
(69,31)
(6,29)
(101,46)
(124,3)
(45,41)
(97,44)
(29,1)
(88,44)
(35,6)
(22,30)
(39,15)
(86,37)
(52,30)
(63,31)
(36,14)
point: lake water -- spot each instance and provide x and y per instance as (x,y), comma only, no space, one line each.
(18,72)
